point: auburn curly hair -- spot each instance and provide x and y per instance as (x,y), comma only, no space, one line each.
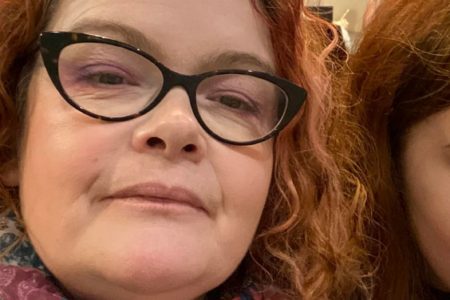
(309,242)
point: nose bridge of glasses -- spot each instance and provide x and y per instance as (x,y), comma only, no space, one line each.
(173,94)
(174,80)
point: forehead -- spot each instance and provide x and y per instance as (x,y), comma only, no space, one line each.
(183,29)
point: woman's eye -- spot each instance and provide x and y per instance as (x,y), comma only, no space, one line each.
(102,75)
(236,103)
(106,78)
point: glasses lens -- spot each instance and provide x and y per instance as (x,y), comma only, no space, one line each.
(240,108)
(108,80)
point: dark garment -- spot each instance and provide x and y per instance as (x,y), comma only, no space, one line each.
(440,295)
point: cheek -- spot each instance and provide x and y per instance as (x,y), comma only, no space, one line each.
(429,204)
(427,180)
(61,157)
(245,179)
(430,215)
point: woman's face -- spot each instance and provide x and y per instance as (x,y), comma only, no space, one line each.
(116,217)
(427,179)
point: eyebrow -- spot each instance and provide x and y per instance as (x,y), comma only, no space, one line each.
(122,32)
(134,37)
(235,59)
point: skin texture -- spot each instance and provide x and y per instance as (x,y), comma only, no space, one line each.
(70,163)
(427,177)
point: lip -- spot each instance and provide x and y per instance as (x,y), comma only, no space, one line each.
(159,194)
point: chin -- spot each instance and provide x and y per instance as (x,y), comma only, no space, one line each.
(144,278)
(148,268)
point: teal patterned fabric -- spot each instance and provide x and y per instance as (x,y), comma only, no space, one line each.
(22,253)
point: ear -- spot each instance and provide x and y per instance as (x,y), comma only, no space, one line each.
(9,175)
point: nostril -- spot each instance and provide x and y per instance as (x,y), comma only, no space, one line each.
(190,148)
(155,142)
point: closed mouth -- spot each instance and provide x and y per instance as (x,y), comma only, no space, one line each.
(159,194)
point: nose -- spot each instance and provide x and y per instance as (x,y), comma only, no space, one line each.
(171,130)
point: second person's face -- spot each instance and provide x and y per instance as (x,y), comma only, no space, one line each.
(427,179)
(116,215)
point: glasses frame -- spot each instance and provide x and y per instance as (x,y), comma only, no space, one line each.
(51,45)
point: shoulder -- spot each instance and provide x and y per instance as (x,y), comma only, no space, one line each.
(19,283)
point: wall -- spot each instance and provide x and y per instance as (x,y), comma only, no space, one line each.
(355,15)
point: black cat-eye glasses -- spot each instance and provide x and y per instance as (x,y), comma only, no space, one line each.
(113,81)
